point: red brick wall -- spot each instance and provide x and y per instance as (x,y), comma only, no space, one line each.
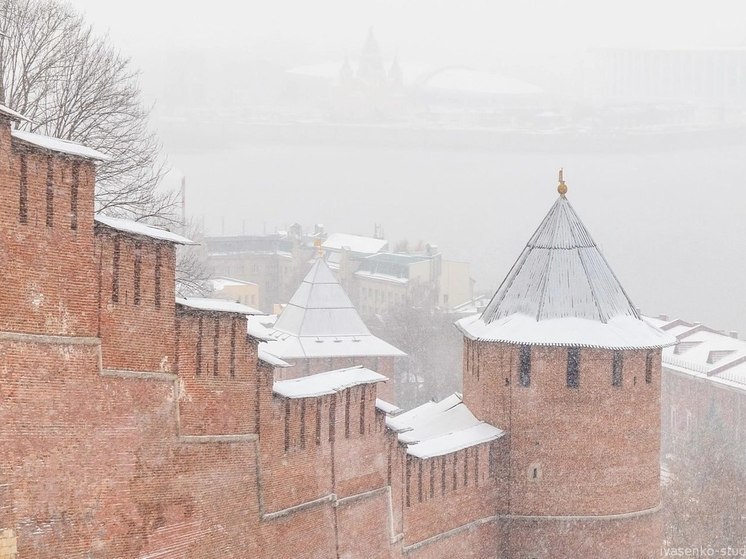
(135,335)
(93,466)
(222,399)
(47,271)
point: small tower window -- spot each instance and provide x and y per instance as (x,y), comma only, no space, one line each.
(138,271)
(573,367)
(649,367)
(616,369)
(117,253)
(524,365)
(50,191)
(74,196)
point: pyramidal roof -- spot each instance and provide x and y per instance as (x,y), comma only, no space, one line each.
(321,321)
(561,291)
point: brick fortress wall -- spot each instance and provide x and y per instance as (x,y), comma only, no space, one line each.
(133,428)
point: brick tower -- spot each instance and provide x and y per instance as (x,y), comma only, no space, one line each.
(562,361)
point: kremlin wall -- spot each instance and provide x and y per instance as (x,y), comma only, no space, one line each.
(139,425)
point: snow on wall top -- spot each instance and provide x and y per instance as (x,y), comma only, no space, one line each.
(321,321)
(137,228)
(13,115)
(438,428)
(270,359)
(561,291)
(59,145)
(215,305)
(330,382)
(356,243)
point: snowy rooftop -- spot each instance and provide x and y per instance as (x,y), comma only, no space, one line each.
(222,283)
(137,228)
(215,305)
(322,384)
(561,291)
(13,115)
(356,243)
(437,428)
(705,352)
(387,408)
(321,321)
(58,145)
(270,359)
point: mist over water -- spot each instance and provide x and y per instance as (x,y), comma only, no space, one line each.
(670,223)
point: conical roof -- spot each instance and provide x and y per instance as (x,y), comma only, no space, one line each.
(561,291)
(321,321)
(320,307)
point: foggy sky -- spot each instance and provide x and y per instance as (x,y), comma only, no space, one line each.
(672,226)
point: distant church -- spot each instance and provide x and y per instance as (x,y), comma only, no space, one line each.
(137,425)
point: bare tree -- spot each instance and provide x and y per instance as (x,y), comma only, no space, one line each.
(192,270)
(73,85)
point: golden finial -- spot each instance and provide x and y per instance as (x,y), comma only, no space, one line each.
(562,188)
(319,250)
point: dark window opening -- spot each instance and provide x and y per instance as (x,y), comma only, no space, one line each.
(443,475)
(455,470)
(233,349)
(432,478)
(524,365)
(535,473)
(476,465)
(199,346)
(332,418)
(318,422)
(115,270)
(138,271)
(74,196)
(157,287)
(216,348)
(649,368)
(419,481)
(23,191)
(50,191)
(573,367)
(408,479)
(466,467)
(362,412)
(616,369)
(492,460)
(347,414)
(303,424)
(287,425)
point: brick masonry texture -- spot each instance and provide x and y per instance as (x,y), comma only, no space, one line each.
(131,427)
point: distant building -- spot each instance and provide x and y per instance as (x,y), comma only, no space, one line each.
(275,262)
(703,422)
(389,279)
(245,292)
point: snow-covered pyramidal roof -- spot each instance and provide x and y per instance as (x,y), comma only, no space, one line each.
(320,307)
(561,291)
(321,321)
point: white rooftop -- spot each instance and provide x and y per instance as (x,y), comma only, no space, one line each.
(322,384)
(561,291)
(137,228)
(321,321)
(438,428)
(222,282)
(59,145)
(356,243)
(270,359)
(215,305)
(704,352)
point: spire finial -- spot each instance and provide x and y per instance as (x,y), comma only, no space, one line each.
(562,188)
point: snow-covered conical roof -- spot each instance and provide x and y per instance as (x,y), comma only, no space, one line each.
(561,291)
(321,321)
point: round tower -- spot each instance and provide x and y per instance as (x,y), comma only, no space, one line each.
(562,361)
